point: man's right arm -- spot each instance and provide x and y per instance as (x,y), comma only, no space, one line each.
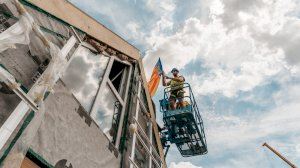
(164,82)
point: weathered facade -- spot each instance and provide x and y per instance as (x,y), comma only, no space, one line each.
(84,104)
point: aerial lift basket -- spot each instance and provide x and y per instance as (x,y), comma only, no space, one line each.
(184,125)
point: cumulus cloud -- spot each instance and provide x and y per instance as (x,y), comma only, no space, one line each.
(183,165)
(238,45)
(231,132)
(278,126)
(243,45)
(178,49)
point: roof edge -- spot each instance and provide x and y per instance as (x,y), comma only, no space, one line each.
(74,16)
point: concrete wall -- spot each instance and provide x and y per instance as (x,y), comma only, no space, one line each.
(65,134)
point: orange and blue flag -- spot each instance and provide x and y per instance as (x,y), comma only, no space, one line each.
(155,78)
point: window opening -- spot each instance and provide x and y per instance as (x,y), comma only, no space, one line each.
(116,75)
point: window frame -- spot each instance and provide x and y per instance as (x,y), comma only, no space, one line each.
(83,45)
(117,94)
(106,81)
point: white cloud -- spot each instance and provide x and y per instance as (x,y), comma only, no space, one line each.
(239,49)
(227,132)
(298,150)
(183,165)
(134,30)
(232,132)
(177,49)
(241,44)
(161,7)
(235,138)
(216,7)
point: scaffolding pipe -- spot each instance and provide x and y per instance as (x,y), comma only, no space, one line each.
(279,155)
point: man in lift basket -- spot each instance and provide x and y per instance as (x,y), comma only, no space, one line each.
(176,88)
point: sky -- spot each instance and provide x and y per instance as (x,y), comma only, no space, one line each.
(242,60)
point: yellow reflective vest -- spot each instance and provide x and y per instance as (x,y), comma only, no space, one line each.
(176,85)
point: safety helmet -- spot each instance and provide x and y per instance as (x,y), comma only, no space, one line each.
(174,69)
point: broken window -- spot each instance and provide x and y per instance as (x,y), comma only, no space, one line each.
(84,74)
(118,75)
(99,83)
(111,99)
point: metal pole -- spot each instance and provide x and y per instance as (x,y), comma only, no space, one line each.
(279,155)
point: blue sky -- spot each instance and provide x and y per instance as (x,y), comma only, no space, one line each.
(242,60)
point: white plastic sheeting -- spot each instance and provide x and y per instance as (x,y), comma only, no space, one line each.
(50,76)
(17,33)
(38,91)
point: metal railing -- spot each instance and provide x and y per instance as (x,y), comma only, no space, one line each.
(191,100)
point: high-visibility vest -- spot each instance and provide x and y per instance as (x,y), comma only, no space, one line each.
(175,85)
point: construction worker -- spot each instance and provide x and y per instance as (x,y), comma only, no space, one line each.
(176,88)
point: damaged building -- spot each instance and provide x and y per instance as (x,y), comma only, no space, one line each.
(72,92)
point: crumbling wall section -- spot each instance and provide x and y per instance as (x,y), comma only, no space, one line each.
(67,134)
